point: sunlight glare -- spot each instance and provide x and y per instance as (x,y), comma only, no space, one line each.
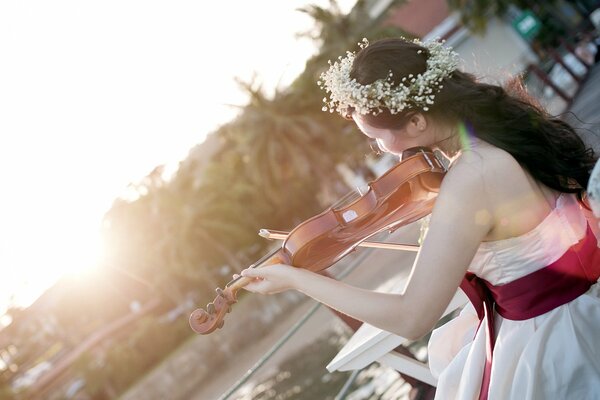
(95,95)
(46,246)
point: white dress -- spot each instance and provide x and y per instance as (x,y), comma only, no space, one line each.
(553,356)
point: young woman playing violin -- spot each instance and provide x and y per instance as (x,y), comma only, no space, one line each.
(508,227)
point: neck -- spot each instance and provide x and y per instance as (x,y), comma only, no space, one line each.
(455,140)
(448,142)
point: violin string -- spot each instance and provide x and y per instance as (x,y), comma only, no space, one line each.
(377,150)
(345,199)
(336,205)
(257,263)
(276,249)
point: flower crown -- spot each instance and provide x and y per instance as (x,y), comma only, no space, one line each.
(411,92)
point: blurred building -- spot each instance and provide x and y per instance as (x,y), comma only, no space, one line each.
(494,55)
(73,316)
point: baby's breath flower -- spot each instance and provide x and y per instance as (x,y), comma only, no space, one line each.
(411,92)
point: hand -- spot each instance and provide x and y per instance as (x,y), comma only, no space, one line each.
(270,279)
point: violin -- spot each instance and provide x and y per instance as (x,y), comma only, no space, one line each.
(403,194)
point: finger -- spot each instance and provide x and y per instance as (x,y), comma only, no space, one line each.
(255,279)
(250,273)
(257,286)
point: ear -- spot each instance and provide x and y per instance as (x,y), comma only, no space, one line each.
(417,124)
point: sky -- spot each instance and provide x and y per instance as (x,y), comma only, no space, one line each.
(94,95)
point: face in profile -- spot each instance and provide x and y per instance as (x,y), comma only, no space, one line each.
(387,140)
(414,134)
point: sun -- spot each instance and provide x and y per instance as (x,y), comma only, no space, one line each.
(84,254)
(53,251)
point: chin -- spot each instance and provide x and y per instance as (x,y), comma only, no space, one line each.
(382,147)
(393,148)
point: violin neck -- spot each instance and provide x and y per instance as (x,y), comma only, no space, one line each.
(265,258)
(256,264)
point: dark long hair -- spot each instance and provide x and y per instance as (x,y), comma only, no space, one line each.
(506,117)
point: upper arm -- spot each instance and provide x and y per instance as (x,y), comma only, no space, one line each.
(460,220)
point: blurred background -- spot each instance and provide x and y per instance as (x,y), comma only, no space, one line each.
(144,144)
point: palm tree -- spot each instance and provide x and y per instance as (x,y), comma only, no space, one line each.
(335,33)
(139,233)
(283,150)
(278,155)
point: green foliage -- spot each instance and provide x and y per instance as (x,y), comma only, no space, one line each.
(272,163)
(267,169)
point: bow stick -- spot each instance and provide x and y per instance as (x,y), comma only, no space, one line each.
(281,235)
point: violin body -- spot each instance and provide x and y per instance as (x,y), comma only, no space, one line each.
(324,239)
(402,195)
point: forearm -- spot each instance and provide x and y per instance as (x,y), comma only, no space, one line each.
(386,311)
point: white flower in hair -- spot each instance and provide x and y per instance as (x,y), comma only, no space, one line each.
(411,92)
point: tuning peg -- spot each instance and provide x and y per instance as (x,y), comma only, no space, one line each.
(219,292)
(210,307)
(221,324)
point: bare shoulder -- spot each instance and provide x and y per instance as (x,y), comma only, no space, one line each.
(463,199)
(487,166)
(484,179)
(492,180)
(489,157)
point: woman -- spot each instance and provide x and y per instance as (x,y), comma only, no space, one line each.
(507,223)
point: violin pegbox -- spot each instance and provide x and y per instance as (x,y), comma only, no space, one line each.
(213,318)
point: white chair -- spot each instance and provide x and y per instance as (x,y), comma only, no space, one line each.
(370,344)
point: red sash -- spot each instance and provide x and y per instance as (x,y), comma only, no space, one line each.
(535,294)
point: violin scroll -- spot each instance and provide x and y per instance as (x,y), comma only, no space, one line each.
(205,322)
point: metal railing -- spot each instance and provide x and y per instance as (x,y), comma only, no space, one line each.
(277,346)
